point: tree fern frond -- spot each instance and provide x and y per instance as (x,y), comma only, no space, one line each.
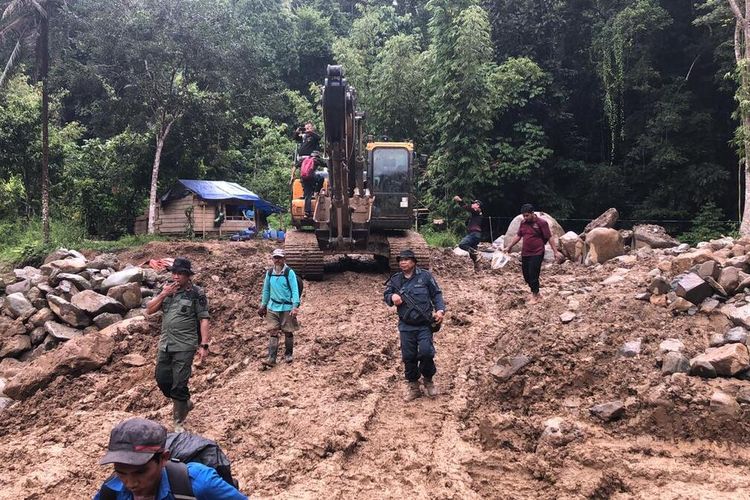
(11,62)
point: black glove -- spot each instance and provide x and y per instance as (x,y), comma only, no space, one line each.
(262,310)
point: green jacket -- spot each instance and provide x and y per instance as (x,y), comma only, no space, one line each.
(180,325)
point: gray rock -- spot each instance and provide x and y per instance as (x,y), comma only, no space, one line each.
(567,317)
(20,287)
(506,368)
(105,261)
(694,288)
(631,349)
(129,275)
(96,282)
(659,286)
(608,411)
(671,345)
(18,306)
(716,340)
(29,273)
(104,320)
(65,289)
(146,292)
(5,403)
(150,276)
(95,303)
(702,369)
(643,296)
(79,281)
(725,404)
(709,305)
(60,331)
(68,312)
(737,262)
(44,288)
(129,294)
(38,335)
(654,236)
(740,316)
(39,303)
(736,335)
(607,219)
(15,345)
(717,287)
(680,305)
(73,266)
(674,362)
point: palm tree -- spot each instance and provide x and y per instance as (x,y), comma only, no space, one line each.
(26,22)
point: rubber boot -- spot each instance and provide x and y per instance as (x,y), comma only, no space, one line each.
(412,391)
(180,409)
(429,387)
(475,257)
(288,347)
(273,349)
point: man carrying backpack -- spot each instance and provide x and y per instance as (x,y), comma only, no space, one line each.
(308,174)
(184,330)
(280,305)
(143,470)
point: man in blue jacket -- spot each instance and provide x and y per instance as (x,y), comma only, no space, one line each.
(280,305)
(137,448)
(416,294)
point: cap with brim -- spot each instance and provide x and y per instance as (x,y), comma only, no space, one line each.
(278,253)
(406,254)
(134,442)
(181,266)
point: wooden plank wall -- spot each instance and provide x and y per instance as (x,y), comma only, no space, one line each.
(172,218)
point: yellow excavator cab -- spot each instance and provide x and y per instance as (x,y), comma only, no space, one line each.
(382,144)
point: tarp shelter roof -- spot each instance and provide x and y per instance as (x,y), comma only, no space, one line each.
(220,191)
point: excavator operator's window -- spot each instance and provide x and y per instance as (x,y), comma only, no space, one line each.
(390,170)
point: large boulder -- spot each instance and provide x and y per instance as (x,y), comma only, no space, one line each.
(106,319)
(555,228)
(72,266)
(80,355)
(79,281)
(63,253)
(29,273)
(694,288)
(105,261)
(129,275)
(727,360)
(18,306)
(685,261)
(95,303)
(68,312)
(653,236)
(571,246)
(603,244)
(729,279)
(607,219)
(128,295)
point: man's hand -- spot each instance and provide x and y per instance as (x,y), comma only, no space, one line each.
(262,310)
(202,353)
(170,289)
(438,315)
(293,313)
(396,299)
(457,199)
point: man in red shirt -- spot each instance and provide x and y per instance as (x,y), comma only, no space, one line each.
(535,234)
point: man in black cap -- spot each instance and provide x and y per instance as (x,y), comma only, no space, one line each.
(184,329)
(137,448)
(415,293)
(473,229)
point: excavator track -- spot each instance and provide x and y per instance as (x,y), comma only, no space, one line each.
(303,254)
(408,240)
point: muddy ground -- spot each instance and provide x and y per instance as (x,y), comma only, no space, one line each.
(332,424)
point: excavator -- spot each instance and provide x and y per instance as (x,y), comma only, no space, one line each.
(366,204)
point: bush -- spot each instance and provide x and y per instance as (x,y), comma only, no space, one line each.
(440,239)
(708,224)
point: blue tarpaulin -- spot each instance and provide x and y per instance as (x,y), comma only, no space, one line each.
(222,191)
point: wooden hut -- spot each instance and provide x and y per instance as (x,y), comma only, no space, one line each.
(208,208)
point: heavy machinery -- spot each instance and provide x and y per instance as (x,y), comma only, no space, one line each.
(366,205)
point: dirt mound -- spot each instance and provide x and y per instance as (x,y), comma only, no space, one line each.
(332,424)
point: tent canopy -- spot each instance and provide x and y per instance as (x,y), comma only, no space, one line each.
(219,191)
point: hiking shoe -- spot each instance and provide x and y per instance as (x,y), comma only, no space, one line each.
(288,358)
(267,364)
(412,391)
(476,266)
(429,388)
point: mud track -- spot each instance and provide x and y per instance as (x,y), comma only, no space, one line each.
(332,424)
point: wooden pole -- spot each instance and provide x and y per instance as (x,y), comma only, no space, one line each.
(204,220)
(492,238)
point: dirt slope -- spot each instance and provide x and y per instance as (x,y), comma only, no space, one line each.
(332,424)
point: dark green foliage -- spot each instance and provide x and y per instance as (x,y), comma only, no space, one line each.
(708,224)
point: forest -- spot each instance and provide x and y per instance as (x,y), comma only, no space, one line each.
(575,106)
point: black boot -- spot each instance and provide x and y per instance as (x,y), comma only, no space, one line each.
(288,347)
(273,349)
(180,409)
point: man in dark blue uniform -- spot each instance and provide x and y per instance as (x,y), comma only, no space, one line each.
(416,294)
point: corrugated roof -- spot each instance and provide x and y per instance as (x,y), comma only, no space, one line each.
(223,190)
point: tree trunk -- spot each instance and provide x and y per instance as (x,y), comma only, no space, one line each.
(45,128)
(745,225)
(161,137)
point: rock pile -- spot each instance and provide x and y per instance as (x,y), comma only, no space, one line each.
(67,297)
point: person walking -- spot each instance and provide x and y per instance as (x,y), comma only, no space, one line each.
(415,293)
(535,233)
(280,305)
(184,331)
(142,468)
(470,242)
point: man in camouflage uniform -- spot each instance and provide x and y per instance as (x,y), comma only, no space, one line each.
(184,330)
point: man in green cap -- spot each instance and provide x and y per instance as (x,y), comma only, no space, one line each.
(184,330)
